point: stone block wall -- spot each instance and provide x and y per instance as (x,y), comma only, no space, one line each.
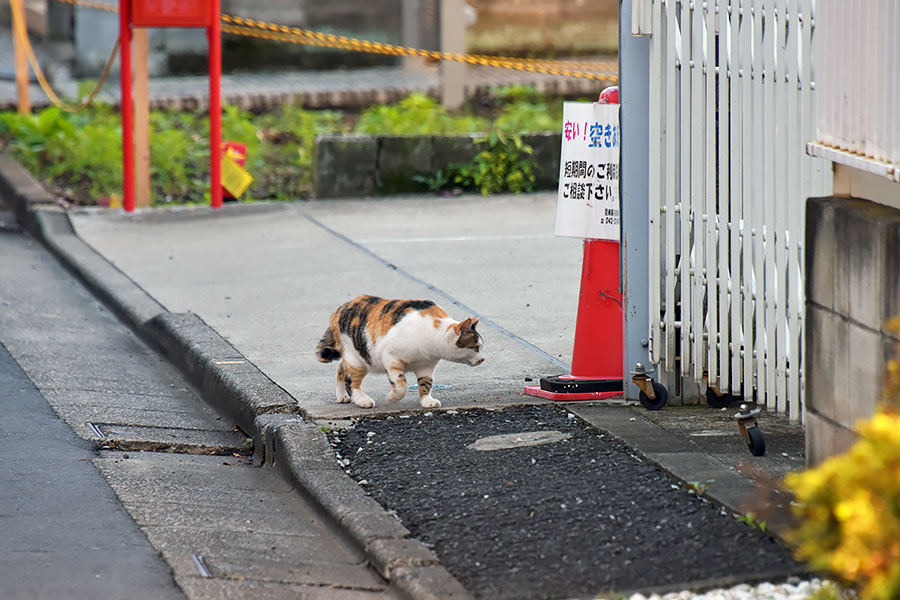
(364,165)
(852,289)
(346,165)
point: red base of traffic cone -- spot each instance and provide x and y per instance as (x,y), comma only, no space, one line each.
(597,355)
(573,388)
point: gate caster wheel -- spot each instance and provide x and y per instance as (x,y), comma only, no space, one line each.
(755,441)
(662,396)
(718,400)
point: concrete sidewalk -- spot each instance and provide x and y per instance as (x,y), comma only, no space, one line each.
(267,277)
(239,297)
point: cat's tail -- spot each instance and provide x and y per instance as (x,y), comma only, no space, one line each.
(328,349)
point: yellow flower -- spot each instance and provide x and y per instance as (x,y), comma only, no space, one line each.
(849,510)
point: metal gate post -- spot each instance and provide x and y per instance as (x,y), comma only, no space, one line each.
(634,69)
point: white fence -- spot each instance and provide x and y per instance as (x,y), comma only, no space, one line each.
(731,111)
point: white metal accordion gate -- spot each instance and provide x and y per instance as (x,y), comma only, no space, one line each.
(731,111)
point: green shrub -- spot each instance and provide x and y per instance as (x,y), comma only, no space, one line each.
(511,94)
(38,139)
(435,182)
(79,155)
(849,506)
(170,173)
(94,162)
(525,117)
(505,165)
(417,114)
(288,149)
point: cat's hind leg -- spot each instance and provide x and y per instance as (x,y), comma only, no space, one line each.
(354,376)
(343,385)
(397,376)
(425,379)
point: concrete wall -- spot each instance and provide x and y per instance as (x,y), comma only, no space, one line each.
(362,165)
(852,289)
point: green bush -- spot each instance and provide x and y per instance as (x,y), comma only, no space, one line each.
(79,156)
(504,165)
(289,149)
(849,506)
(525,117)
(39,139)
(94,163)
(511,94)
(170,173)
(417,114)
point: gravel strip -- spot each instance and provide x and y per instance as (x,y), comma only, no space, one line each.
(793,590)
(576,515)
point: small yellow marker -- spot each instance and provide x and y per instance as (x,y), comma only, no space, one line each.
(235,178)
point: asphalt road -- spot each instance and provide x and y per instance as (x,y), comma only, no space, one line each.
(65,534)
(154,516)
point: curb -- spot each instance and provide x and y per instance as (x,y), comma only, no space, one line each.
(227,381)
(317,98)
(237,388)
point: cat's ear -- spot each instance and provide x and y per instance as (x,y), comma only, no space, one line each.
(468,324)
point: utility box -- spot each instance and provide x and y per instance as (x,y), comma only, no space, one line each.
(171,13)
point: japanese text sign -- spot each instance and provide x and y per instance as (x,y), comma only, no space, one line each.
(588,198)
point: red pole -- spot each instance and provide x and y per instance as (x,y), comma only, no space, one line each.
(214,34)
(126,106)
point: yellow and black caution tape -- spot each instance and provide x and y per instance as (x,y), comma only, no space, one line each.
(272,31)
(21,32)
(261,29)
(97,5)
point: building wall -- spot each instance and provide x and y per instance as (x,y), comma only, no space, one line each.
(854,183)
(853,252)
(179,50)
(853,288)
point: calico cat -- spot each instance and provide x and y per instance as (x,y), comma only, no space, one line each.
(395,336)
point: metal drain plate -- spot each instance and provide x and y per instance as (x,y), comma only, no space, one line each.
(150,438)
(518,440)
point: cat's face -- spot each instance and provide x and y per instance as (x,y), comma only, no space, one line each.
(467,348)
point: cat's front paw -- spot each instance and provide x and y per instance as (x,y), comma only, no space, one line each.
(429,402)
(396,395)
(363,400)
(342,396)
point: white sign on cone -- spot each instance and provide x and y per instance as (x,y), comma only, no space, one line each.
(588,198)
